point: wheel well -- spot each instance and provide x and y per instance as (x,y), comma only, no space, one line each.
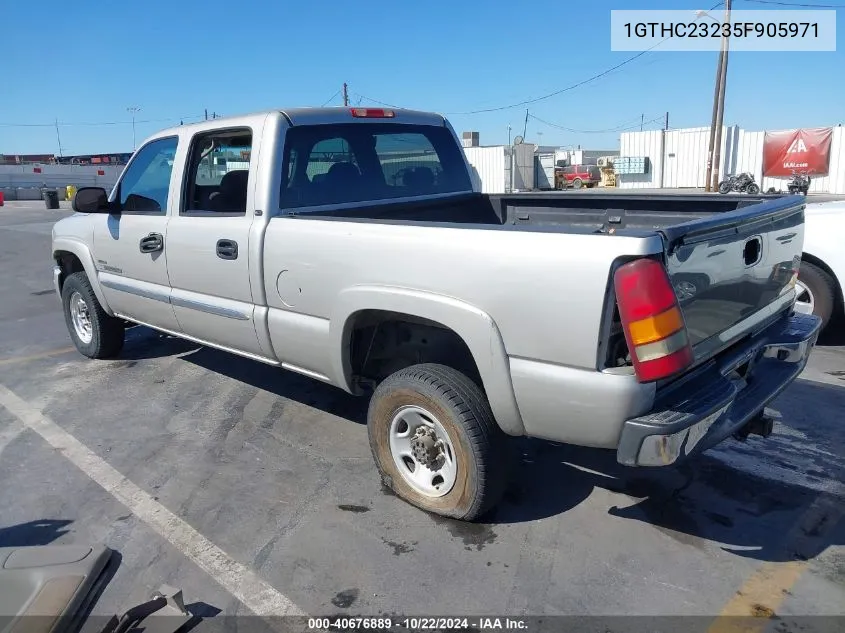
(68,263)
(383,342)
(815,261)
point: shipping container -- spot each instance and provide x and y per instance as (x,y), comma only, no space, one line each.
(491,167)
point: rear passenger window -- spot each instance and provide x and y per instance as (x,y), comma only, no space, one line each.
(354,162)
(408,161)
(325,155)
(218,173)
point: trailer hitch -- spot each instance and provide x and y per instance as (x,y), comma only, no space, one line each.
(761,424)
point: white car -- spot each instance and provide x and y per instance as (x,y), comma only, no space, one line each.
(823,261)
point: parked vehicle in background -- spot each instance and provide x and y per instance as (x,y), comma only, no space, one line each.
(743,183)
(822,274)
(577,176)
(800,183)
(656,326)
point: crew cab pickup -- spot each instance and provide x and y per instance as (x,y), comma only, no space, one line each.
(349,245)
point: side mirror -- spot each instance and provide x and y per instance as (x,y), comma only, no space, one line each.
(91,200)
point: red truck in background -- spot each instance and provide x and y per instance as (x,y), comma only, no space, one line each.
(577,176)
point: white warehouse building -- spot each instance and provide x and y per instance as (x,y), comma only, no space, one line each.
(678,159)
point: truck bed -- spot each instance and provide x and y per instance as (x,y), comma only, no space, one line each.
(575,212)
(729,263)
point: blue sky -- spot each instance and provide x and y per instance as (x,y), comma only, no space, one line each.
(89,62)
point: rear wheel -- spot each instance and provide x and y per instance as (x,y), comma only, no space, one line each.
(435,442)
(816,292)
(577,183)
(94,333)
(724,186)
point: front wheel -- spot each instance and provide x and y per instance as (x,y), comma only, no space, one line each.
(94,333)
(435,442)
(753,189)
(577,183)
(724,186)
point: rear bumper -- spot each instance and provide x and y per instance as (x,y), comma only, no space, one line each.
(717,400)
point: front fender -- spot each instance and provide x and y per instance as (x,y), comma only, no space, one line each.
(474,326)
(80,249)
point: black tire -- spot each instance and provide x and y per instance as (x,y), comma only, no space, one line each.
(577,183)
(753,188)
(462,409)
(107,332)
(724,186)
(823,287)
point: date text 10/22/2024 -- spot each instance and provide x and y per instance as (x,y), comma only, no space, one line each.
(417,624)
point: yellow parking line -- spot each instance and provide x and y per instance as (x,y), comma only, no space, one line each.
(758,599)
(24,359)
(751,608)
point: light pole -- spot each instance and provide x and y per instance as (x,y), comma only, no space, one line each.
(132,110)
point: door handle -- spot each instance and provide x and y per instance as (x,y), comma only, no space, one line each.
(152,243)
(227,249)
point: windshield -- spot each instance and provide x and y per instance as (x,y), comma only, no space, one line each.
(354,162)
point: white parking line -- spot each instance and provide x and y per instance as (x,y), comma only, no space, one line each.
(240,581)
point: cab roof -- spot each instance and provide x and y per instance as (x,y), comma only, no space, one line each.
(317,116)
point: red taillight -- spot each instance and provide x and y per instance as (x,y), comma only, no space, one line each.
(652,320)
(372,113)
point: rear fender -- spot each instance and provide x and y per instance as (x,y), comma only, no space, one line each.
(474,326)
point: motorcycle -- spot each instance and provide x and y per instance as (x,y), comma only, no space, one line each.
(800,183)
(743,182)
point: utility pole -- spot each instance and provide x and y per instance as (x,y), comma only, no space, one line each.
(133,110)
(717,148)
(714,147)
(345,95)
(206,114)
(58,138)
(642,120)
(525,126)
(666,124)
(709,174)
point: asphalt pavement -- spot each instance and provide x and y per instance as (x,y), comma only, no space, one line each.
(250,487)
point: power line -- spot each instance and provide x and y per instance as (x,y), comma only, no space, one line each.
(619,128)
(799,4)
(616,128)
(330,99)
(573,86)
(365,98)
(562,90)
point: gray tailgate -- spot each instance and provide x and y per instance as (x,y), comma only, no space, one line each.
(733,270)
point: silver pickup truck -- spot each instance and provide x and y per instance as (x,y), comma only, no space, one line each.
(349,245)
